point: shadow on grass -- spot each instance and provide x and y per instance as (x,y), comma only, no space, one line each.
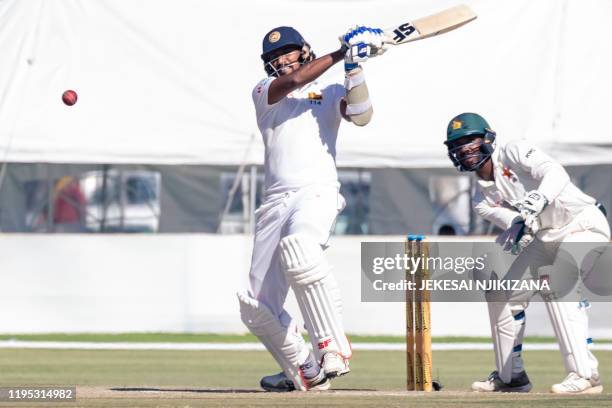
(194,390)
(216,390)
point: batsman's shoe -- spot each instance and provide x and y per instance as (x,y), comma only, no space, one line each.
(334,365)
(277,383)
(319,383)
(575,384)
(520,383)
(280,383)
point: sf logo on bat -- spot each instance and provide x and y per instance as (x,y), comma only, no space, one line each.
(403,31)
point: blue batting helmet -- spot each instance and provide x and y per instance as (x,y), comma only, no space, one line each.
(281,37)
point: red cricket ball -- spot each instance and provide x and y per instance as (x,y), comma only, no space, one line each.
(69,97)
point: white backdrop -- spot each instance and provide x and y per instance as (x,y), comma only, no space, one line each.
(170,81)
(177,283)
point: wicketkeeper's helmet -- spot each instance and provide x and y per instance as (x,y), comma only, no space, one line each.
(462,126)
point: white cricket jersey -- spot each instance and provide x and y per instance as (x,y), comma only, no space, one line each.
(520,167)
(299,133)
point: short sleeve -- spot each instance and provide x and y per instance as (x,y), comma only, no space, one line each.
(336,92)
(260,97)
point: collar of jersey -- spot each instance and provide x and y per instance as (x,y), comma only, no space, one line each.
(496,163)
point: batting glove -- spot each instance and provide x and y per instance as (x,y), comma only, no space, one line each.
(362,34)
(362,43)
(357,53)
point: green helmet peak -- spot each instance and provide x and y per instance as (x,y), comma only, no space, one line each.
(466,124)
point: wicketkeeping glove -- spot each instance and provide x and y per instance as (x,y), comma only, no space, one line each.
(533,203)
(517,237)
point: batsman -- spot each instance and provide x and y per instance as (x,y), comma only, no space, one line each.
(299,115)
(530,197)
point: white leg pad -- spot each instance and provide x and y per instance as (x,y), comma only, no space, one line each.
(317,293)
(592,359)
(282,339)
(507,330)
(568,321)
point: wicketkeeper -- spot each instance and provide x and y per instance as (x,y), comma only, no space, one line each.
(530,196)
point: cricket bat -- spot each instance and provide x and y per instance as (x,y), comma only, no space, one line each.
(430,26)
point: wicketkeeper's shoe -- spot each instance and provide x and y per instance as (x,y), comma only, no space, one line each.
(280,383)
(334,365)
(575,384)
(520,383)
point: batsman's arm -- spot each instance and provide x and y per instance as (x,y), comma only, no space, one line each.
(362,43)
(284,85)
(356,107)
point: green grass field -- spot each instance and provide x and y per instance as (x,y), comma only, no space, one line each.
(229,338)
(229,378)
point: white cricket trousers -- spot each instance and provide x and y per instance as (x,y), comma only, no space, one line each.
(308,210)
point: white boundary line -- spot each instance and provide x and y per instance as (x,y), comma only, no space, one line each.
(19,344)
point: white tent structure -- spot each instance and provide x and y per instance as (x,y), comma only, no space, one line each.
(170,83)
(167,86)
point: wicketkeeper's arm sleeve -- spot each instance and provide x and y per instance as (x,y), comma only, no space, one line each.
(553,177)
(498,215)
